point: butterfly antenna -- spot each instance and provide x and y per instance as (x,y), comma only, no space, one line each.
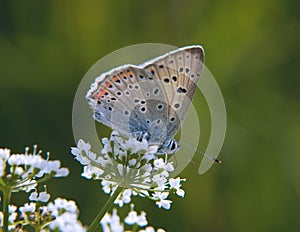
(201,152)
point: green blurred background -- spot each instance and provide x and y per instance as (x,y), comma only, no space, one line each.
(252,48)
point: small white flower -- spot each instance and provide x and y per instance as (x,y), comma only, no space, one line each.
(159,180)
(83,145)
(175,184)
(90,171)
(4,155)
(111,223)
(149,156)
(75,151)
(28,208)
(131,218)
(159,163)
(43,197)
(2,167)
(162,202)
(141,220)
(62,172)
(12,213)
(107,148)
(107,186)
(124,197)
(33,196)
(70,206)
(17,170)
(134,218)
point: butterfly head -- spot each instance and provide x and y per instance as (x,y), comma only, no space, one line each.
(169,147)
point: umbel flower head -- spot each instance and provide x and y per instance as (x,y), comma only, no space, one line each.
(60,215)
(22,172)
(132,165)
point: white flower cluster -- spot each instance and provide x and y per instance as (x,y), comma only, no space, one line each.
(132,165)
(60,215)
(22,171)
(112,222)
(66,216)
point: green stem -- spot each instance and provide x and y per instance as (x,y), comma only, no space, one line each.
(6,201)
(95,224)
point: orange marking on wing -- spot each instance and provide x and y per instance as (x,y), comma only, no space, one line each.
(129,73)
(123,75)
(115,78)
(101,93)
(108,84)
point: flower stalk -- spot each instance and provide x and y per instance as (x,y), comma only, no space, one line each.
(106,208)
(6,201)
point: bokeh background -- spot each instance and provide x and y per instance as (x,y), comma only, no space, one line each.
(252,49)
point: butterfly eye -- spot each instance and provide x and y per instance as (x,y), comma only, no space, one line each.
(174,78)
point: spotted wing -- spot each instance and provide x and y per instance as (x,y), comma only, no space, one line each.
(179,72)
(130,100)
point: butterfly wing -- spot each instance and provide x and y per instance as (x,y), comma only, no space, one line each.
(179,72)
(130,100)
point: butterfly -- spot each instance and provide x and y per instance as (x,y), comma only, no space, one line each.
(149,101)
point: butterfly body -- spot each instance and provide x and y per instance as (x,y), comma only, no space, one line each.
(149,100)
